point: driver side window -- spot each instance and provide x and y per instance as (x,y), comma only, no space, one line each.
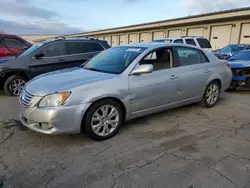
(54,50)
(160,59)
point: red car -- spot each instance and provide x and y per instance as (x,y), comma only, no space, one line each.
(12,45)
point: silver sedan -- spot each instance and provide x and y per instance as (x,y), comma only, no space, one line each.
(120,84)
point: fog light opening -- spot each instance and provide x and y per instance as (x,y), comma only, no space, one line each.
(45,126)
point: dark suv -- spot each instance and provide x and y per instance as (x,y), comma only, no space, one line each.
(50,55)
(12,45)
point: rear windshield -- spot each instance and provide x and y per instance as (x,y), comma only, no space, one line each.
(204,43)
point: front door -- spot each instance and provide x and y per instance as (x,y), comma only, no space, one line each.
(194,70)
(55,58)
(153,91)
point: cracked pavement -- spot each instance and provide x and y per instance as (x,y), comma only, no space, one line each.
(189,147)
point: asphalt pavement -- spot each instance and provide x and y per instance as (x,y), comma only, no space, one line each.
(188,147)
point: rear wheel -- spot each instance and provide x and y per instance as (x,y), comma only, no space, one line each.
(211,95)
(103,119)
(14,85)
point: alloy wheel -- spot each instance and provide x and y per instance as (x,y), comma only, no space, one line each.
(105,120)
(212,94)
(16,86)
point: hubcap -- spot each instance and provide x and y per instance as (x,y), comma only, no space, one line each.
(16,86)
(212,94)
(105,120)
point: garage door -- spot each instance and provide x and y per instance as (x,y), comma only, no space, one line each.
(174,33)
(245,34)
(108,39)
(144,37)
(101,38)
(114,40)
(158,35)
(220,36)
(132,38)
(195,32)
(123,39)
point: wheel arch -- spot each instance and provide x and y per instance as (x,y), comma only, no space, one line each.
(19,72)
(124,109)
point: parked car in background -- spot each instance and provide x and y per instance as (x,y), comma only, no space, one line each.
(12,45)
(229,50)
(48,56)
(120,84)
(240,65)
(191,40)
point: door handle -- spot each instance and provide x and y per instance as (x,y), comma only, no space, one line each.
(173,77)
(7,52)
(207,71)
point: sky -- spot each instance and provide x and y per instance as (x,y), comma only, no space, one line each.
(75,16)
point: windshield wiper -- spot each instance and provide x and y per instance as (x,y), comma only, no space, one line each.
(93,69)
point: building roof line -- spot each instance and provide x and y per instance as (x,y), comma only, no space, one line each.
(168,20)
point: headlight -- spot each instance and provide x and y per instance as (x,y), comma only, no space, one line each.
(53,100)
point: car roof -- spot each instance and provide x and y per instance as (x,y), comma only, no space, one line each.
(7,35)
(183,37)
(156,45)
(74,39)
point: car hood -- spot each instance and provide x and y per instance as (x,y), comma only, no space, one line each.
(239,64)
(64,80)
(2,60)
(15,62)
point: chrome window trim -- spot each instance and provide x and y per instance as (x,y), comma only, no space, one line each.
(70,54)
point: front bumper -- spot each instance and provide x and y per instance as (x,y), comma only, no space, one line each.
(56,120)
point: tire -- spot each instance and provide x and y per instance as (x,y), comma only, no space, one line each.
(211,94)
(11,82)
(104,130)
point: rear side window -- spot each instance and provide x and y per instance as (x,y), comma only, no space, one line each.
(190,56)
(83,47)
(178,41)
(13,43)
(1,43)
(54,49)
(190,41)
(204,43)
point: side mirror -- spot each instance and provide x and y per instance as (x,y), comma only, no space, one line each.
(38,56)
(143,69)
(25,47)
(222,57)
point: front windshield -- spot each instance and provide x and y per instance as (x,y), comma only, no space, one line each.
(243,55)
(233,48)
(114,60)
(31,49)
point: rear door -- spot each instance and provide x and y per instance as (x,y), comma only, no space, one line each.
(78,52)
(194,70)
(55,58)
(14,46)
(3,49)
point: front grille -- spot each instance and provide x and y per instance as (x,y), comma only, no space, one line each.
(26,98)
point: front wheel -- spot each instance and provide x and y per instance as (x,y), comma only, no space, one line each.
(103,119)
(14,85)
(211,95)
